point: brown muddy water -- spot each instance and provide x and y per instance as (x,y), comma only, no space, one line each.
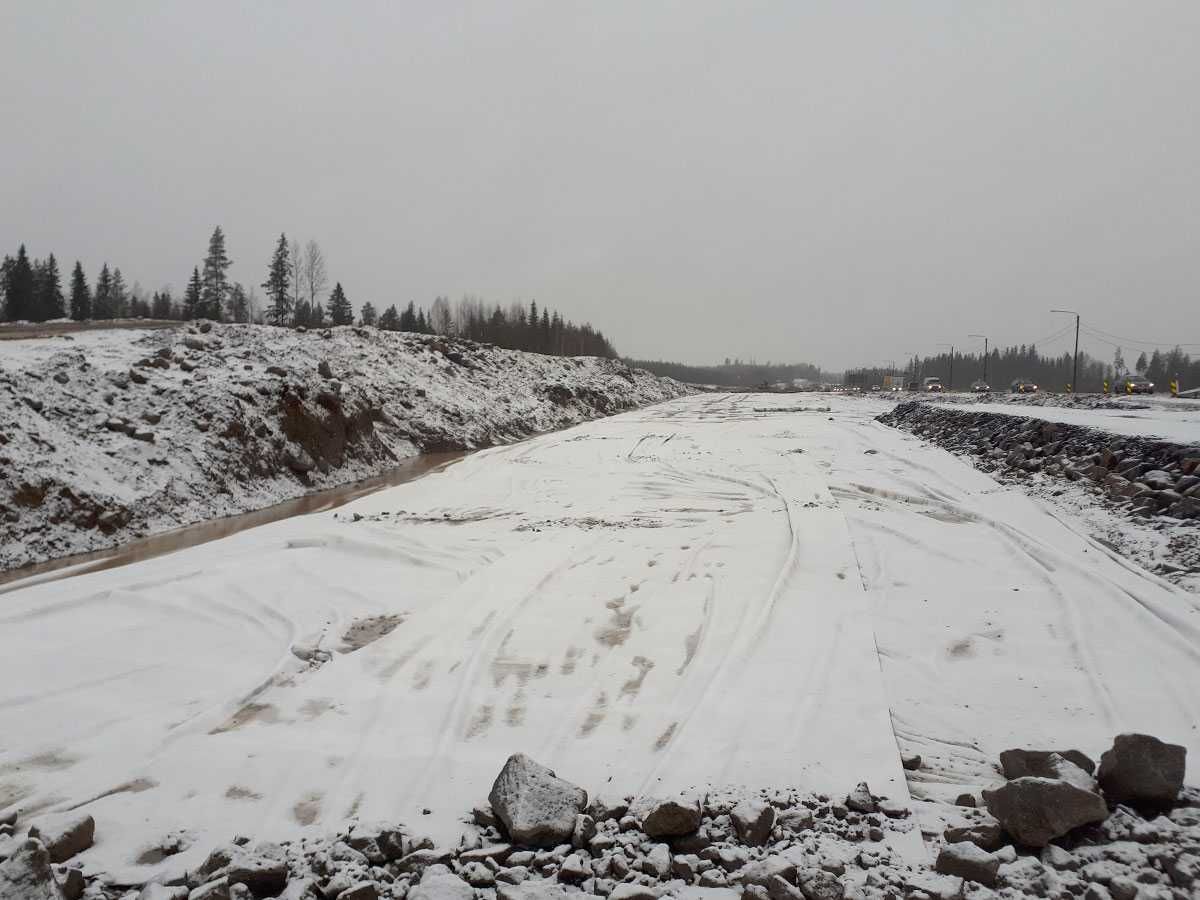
(215,529)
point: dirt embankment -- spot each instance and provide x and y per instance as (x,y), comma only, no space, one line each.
(113,435)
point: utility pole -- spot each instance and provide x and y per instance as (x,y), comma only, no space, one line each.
(985,353)
(1075,371)
(950,380)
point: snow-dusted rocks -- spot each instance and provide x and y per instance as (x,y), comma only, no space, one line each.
(860,799)
(1141,769)
(1019,763)
(531,890)
(836,857)
(966,860)
(26,875)
(64,836)
(753,821)
(1037,810)
(442,886)
(536,807)
(261,870)
(663,817)
(986,834)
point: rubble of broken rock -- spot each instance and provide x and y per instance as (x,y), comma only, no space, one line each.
(1148,482)
(1059,827)
(112,435)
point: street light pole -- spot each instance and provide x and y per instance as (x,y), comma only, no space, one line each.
(985,353)
(1075,369)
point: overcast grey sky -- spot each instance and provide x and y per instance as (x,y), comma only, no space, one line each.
(836,182)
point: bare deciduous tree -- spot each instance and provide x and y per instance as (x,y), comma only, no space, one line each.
(296,276)
(440,316)
(315,277)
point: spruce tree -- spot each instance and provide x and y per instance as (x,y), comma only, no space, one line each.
(6,269)
(390,320)
(369,316)
(81,296)
(120,296)
(193,296)
(48,302)
(215,283)
(19,288)
(278,283)
(239,304)
(102,306)
(340,310)
(162,306)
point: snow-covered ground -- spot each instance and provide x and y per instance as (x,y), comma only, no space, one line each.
(110,435)
(717,590)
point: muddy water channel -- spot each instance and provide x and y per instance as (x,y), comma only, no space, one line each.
(215,529)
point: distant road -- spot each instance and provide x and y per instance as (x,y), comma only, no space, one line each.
(25,330)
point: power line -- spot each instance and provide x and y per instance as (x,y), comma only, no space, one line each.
(1098,333)
(1055,336)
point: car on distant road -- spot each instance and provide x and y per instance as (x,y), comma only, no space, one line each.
(981,387)
(1136,384)
(875,389)
(932,385)
(1023,386)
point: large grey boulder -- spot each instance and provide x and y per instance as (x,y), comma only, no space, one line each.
(64,836)
(664,817)
(819,885)
(265,875)
(1036,763)
(753,821)
(442,886)
(530,890)
(965,860)
(156,891)
(26,875)
(535,806)
(1037,810)
(860,799)
(1076,770)
(761,871)
(1141,769)
(986,834)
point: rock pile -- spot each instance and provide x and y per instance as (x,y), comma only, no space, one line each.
(1150,477)
(1048,832)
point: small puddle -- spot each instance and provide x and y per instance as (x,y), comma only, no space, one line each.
(215,529)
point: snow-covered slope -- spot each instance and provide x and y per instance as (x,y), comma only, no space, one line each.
(720,590)
(108,435)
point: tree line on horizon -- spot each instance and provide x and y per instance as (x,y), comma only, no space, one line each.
(295,285)
(1052,373)
(732,373)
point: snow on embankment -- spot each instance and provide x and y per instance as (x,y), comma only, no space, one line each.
(1154,476)
(118,434)
(1138,494)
